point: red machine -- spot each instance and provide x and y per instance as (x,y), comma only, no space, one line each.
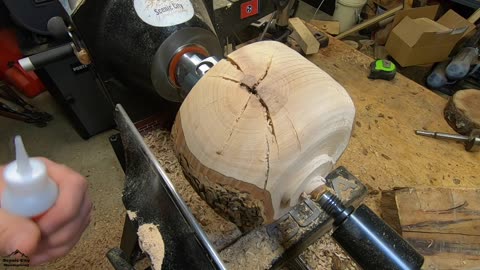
(26,82)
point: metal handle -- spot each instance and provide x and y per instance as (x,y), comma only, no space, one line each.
(441,135)
(472,142)
(44,58)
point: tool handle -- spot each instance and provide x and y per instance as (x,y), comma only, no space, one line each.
(44,58)
(375,245)
(473,143)
(368,239)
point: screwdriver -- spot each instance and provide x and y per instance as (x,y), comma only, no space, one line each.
(472,142)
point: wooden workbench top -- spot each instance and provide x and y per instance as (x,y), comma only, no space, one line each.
(384,151)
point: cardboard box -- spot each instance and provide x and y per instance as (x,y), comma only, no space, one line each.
(417,39)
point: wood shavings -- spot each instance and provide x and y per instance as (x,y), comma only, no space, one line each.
(131,215)
(327,254)
(151,242)
(219,231)
(253,251)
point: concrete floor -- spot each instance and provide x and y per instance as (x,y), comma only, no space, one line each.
(95,160)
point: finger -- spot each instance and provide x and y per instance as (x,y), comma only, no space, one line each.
(49,255)
(72,189)
(17,233)
(69,231)
(54,253)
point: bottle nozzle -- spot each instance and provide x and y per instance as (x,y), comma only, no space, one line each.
(23,163)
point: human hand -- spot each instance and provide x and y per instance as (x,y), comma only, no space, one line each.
(56,232)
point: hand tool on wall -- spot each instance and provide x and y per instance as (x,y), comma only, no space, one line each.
(472,142)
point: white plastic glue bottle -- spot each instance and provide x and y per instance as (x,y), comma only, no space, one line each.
(29,191)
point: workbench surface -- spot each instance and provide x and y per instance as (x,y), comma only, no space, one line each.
(384,151)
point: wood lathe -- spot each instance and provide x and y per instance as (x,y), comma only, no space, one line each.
(257,137)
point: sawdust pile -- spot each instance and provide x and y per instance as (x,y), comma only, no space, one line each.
(253,251)
(327,254)
(219,231)
(151,242)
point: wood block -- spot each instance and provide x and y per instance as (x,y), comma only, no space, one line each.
(443,224)
(331,27)
(303,36)
(463,111)
(83,56)
(259,129)
(475,16)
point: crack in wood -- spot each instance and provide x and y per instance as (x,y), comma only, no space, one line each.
(267,158)
(447,211)
(226,78)
(294,129)
(231,61)
(439,223)
(220,152)
(434,248)
(269,120)
(264,74)
(268,117)
(211,103)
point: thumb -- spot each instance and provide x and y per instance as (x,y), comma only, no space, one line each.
(17,233)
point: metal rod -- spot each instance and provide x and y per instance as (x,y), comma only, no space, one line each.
(274,14)
(441,135)
(39,60)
